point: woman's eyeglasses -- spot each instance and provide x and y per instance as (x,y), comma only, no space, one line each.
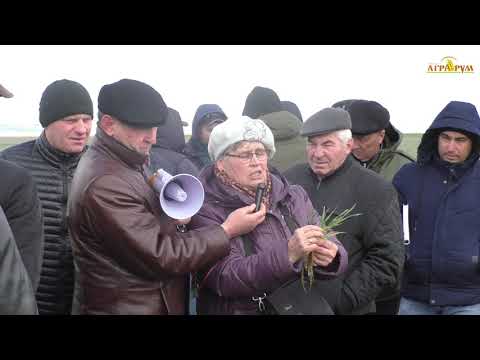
(246,157)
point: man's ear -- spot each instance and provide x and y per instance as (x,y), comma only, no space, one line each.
(349,145)
(107,123)
(382,136)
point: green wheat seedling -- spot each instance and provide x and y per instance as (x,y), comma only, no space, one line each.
(328,222)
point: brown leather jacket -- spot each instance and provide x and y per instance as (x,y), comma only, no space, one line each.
(128,257)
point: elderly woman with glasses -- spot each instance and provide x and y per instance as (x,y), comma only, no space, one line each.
(240,149)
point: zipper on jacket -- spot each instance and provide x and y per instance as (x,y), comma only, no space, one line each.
(65,203)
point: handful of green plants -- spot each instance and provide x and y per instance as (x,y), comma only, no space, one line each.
(328,222)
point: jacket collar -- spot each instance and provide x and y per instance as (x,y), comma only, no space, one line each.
(128,156)
(369,163)
(225,194)
(349,161)
(54,156)
(455,170)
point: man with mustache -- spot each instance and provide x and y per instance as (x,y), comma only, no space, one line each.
(441,190)
(66,113)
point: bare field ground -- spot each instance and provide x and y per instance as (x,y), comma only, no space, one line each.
(6,141)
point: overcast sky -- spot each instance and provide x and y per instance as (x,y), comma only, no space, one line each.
(313,77)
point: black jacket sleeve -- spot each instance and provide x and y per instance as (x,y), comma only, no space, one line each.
(24,214)
(382,263)
(16,292)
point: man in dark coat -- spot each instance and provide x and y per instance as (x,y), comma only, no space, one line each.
(16,292)
(335,182)
(375,140)
(19,200)
(167,153)
(442,194)
(375,147)
(65,112)
(206,118)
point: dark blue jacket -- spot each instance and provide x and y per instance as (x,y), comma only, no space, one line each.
(196,151)
(444,215)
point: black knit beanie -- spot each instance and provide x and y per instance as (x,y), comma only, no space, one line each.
(63,98)
(261,101)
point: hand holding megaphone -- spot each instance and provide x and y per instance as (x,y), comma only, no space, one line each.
(181,196)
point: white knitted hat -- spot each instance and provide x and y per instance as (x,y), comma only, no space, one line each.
(238,129)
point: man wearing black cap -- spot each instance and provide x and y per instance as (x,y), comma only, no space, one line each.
(66,112)
(128,255)
(335,182)
(375,139)
(375,146)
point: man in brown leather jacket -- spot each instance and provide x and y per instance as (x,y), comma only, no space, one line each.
(128,256)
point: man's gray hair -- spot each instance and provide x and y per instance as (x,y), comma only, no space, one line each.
(344,135)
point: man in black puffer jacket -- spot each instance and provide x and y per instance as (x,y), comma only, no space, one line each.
(373,239)
(66,113)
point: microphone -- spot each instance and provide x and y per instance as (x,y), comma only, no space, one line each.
(259,194)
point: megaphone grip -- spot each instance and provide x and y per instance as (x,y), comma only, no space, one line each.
(259,194)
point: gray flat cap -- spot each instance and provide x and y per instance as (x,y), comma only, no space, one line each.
(325,121)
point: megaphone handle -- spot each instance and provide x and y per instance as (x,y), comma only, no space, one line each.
(182,228)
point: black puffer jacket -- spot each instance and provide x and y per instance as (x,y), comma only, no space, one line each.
(373,240)
(53,172)
(16,292)
(19,200)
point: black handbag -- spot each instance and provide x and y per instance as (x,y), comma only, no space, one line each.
(290,298)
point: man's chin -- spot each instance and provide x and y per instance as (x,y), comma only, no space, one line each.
(320,170)
(359,157)
(75,149)
(143,152)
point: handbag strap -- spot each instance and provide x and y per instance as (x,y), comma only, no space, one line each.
(289,219)
(249,249)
